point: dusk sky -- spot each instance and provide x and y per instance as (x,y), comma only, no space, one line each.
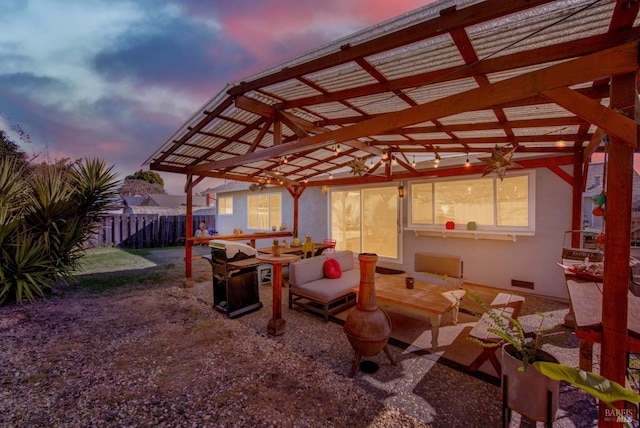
(113,79)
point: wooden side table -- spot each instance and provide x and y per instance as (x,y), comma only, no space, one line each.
(276,324)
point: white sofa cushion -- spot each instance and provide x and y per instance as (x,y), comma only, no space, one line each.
(327,289)
(345,258)
(311,269)
(306,270)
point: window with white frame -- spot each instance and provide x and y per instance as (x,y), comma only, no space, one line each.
(225,205)
(491,203)
(264,211)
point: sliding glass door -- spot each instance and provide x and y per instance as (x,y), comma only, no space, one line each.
(366,220)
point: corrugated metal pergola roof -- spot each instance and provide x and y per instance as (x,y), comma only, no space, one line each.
(456,78)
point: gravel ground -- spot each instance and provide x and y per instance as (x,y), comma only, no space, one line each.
(162,358)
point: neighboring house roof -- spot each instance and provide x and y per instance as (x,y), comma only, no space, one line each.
(162,200)
(231,186)
(162,211)
(166,211)
(133,201)
(164,205)
(595,181)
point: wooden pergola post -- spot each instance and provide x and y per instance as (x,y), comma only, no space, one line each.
(576,198)
(617,240)
(188,281)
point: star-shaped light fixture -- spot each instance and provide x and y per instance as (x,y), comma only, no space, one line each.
(500,161)
(258,186)
(358,166)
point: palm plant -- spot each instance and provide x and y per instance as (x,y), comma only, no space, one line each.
(46,213)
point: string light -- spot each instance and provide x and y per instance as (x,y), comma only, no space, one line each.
(467,163)
(330,176)
(337,149)
(414,161)
(437,161)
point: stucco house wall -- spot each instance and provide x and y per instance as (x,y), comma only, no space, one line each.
(487,262)
(530,258)
(312,217)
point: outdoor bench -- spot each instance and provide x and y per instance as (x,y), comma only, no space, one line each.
(310,289)
(504,304)
(435,267)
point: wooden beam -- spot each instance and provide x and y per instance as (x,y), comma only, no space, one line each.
(577,189)
(617,240)
(256,107)
(189,230)
(614,61)
(475,14)
(263,131)
(293,125)
(593,112)
(193,131)
(547,54)
(562,174)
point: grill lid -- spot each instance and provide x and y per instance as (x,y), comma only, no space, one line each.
(232,248)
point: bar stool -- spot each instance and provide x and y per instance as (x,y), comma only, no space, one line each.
(332,248)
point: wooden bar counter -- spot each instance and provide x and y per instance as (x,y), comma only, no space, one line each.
(586,305)
(251,237)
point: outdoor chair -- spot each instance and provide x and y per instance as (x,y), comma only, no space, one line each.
(332,248)
(264,274)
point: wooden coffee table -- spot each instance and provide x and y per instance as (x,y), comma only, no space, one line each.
(434,299)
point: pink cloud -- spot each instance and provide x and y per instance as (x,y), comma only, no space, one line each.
(277,30)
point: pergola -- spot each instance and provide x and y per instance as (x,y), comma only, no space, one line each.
(541,83)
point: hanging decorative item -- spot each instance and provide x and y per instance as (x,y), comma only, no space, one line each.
(599,200)
(257,186)
(500,161)
(358,166)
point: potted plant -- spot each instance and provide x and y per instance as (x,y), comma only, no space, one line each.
(275,248)
(525,389)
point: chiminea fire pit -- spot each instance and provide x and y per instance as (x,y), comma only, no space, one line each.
(367,327)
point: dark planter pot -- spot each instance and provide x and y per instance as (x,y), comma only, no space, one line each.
(530,393)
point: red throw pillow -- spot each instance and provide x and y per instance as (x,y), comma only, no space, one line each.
(332,269)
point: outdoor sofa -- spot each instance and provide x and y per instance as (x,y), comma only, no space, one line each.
(312,290)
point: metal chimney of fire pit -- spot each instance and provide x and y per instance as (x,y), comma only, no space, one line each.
(367,327)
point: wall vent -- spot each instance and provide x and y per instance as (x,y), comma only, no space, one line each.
(521,284)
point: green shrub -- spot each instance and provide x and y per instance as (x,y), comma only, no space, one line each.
(46,212)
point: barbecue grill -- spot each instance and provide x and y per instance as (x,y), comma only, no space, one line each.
(235,277)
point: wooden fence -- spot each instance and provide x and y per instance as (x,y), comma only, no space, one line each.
(145,230)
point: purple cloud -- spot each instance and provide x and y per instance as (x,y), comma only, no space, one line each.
(183,55)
